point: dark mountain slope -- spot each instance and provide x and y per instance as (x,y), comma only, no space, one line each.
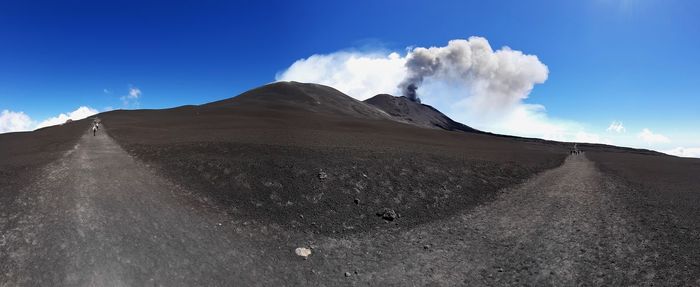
(405,110)
(24,154)
(285,96)
(290,165)
(287,150)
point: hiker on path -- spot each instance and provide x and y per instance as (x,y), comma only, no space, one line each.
(94,129)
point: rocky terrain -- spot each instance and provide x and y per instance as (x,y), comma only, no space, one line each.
(299,184)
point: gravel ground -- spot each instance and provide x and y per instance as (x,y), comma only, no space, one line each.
(101,217)
(97,217)
(569,226)
(285,186)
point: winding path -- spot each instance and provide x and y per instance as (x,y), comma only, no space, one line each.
(98,217)
(564,227)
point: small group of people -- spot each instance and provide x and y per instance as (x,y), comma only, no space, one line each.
(575,150)
(95,127)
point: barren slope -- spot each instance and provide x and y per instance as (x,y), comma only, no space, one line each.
(97,217)
(405,110)
(223,193)
(568,226)
(308,97)
(100,217)
(267,164)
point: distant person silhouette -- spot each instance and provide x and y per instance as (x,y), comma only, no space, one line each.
(94,130)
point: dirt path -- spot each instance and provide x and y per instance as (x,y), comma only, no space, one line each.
(100,218)
(564,227)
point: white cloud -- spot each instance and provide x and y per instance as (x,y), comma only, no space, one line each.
(14,121)
(134,93)
(18,121)
(131,99)
(360,75)
(106,91)
(531,120)
(469,72)
(472,84)
(79,114)
(651,138)
(684,152)
(617,127)
(467,80)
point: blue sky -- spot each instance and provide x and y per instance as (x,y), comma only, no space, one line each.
(633,61)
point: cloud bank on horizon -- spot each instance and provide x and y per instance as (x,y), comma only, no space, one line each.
(469,81)
(13,121)
(78,114)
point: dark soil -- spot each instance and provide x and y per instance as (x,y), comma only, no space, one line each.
(260,156)
(663,193)
(23,154)
(665,182)
(377,201)
(282,184)
(569,226)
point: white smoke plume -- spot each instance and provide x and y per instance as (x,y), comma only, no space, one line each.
(477,77)
(494,79)
(466,79)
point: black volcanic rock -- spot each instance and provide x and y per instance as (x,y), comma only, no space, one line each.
(387,214)
(405,110)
